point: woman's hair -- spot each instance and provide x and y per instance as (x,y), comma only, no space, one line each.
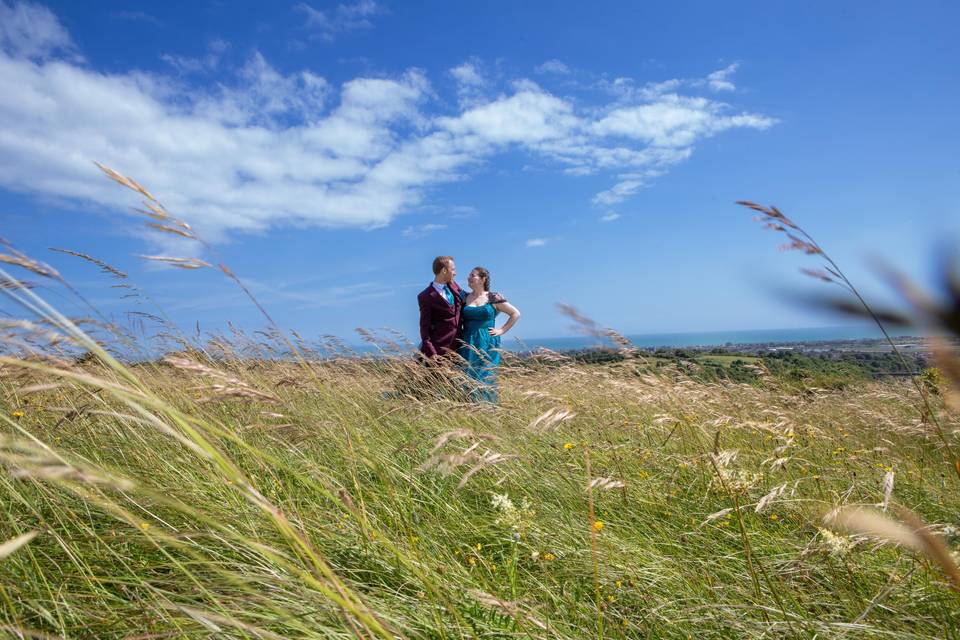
(485,275)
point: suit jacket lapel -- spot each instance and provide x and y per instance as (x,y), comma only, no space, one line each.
(457,299)
(436,297)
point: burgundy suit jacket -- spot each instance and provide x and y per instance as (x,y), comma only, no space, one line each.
(439,320)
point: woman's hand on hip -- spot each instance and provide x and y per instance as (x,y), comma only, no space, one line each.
(494,331)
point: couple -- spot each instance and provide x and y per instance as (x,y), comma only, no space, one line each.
(454,321)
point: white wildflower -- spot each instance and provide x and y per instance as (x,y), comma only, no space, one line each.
(520,520)
(837,545)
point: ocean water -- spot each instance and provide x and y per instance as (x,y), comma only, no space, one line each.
(704,338)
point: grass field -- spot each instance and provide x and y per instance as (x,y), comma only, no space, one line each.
(230,498)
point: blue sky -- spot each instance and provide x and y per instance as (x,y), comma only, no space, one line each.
(589,154)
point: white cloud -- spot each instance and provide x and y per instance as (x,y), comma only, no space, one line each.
(468,74)
(32,31)
(718,80)
(327,25)
(471,83)
(610,217)
(422,230)
(537,242)
(619,192)
(676,121)
(553,66)
(529,116)
(261,148)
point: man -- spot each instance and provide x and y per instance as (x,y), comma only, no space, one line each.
(440,305)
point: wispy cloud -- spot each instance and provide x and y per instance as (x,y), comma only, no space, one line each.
(33,32)
(553,66)
(537,242)
(719,80)
(471,83)
(422,230)
(610,217)
(216,48)
(468,74)
(327,25)
(262,148)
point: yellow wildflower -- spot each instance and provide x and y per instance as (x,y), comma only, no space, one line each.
(472,561)
(568,445)
(619,583)
(597,525)
(549,556)
(774,517)
(144,525)
(479,546)
(17,414)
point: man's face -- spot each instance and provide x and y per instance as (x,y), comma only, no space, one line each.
(449,272)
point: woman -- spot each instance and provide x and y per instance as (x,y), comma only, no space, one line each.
(480,336)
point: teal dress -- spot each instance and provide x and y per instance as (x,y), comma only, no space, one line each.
(480,350)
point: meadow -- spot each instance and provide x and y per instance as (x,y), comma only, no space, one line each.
(226,497)
(246,487)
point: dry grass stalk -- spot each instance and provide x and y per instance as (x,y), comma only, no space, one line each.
(605,484)
(174,230)
(130,183)
(515,610)
(7,283)
(448,463)
(228,387)
(20,259)
(489,458)
(887,489)
(24,460)
(550,419)
(768,499)
(912,533)
(106,268)
(457,434)
(180,263)
(589,327)
(10,546)
(717,515)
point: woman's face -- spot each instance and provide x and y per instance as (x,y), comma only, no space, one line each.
(475,281)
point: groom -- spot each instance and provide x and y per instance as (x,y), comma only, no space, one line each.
(440,306)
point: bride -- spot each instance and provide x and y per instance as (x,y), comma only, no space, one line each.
(480,336)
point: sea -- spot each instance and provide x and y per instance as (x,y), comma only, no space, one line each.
(705,338)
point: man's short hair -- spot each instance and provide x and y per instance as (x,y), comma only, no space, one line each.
(440,262)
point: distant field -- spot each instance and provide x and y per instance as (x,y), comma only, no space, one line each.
(726,360)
